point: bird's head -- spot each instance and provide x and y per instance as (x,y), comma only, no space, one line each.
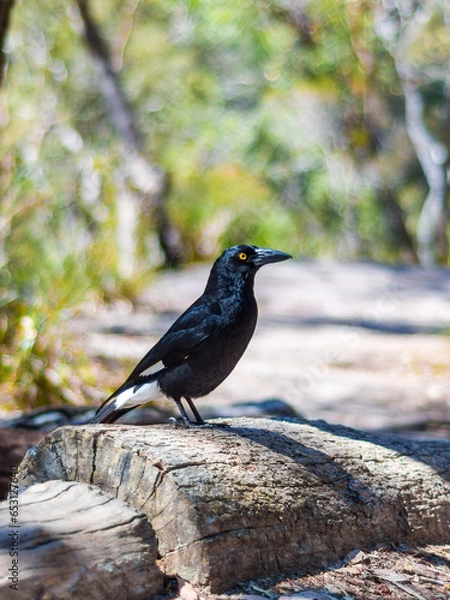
(245,257)
(240,263)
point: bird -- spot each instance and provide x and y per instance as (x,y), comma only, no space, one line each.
(203,345)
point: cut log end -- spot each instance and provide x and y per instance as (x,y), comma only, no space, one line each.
(70,540)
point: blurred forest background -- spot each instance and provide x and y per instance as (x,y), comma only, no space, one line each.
(144,134)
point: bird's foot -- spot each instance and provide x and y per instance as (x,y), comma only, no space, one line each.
(187,424)
(180,422)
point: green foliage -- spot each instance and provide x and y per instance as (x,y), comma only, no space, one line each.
(41,283)
(274,128)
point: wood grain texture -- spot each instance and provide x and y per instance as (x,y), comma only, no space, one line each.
(74,541)
(260,497)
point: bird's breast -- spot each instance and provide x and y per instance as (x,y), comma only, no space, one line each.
(206,367)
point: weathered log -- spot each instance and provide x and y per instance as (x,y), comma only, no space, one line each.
(70,540)
(260,497)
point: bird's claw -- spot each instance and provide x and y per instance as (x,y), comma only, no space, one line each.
(180,422)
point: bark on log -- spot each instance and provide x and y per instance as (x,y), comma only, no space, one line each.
(73,541)
(260,497)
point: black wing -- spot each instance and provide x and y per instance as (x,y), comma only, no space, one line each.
(194,326)
(190,330)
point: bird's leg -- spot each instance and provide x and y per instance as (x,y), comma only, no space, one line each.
(198,418)
(200,422)
(186,420)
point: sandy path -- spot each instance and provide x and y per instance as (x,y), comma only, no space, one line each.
(359,344)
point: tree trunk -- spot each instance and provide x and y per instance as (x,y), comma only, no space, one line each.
(397,24)
(432,156)
(147,178)
(70,540)
(5,15)
(259,497)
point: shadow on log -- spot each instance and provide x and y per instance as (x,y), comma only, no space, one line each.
(73,541)
(260,497)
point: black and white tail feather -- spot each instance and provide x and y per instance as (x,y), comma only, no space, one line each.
(132,393)
(123,401)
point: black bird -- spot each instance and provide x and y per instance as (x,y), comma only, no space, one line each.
(204,344)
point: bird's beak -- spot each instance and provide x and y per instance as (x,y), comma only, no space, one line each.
(265,256)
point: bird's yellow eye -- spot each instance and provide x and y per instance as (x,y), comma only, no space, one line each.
(243,256)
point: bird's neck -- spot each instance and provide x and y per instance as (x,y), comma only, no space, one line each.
(226,285)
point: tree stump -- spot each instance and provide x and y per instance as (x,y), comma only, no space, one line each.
(259,497)
(70,540)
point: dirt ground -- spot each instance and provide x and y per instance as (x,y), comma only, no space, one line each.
(395,574)
(364,345)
